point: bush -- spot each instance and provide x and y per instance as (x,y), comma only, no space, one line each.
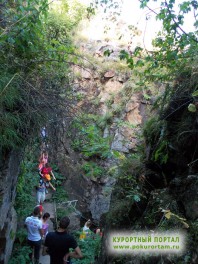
(90,248)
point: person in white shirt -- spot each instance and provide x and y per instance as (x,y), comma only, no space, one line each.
(35,233)
(86,228)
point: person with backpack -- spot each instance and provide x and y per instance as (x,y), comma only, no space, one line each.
(41,190)
(46,174)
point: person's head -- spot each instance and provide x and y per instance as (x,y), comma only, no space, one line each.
(47,165)
(36,211)
(64,222)
(88,223)
(46,216)
(45,153)
(40,208)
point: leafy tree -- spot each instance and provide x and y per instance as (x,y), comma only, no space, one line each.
(33,70)
(174,48)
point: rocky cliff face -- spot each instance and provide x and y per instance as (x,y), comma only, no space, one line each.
(9,170)
(104,87)
(169,183)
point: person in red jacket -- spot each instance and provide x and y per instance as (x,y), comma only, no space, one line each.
(46,174)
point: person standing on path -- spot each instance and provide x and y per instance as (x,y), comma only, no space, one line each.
(86,228)
(35,233)
(45,174)
(59,242)
(41,189)
(43,159)
(45,224)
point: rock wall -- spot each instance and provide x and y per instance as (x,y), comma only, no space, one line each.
(105,90)
(9,170)
(93,194)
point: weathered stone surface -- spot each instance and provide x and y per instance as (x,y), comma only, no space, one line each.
(99,205)
(133,115)
(119,143)
(131,106)
(104,97)
(9,170)
(124,139)
(190,197)
(186,193)
(112,86)
(86,73)
(74,222)
(106,132)
(123,77)
(82,72)
(109,74)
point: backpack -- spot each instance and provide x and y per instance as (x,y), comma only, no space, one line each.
(47,177)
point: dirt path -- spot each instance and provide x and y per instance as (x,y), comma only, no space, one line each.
(48,208)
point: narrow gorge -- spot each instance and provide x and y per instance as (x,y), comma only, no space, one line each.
(119,118)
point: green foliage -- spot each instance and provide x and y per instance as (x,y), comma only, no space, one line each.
(161,153)
(127,184)
(26,200)
(124,55)
(175,47)
(152,130)
(33,70)
(129,169)
(90,248)
(192,108)
(63,18)
(154,133)
(108,52)
(119,212)
(21,34)
(127,191)
(27,179)
(21,236)
(20,255)
(90,141)
(60,194)
(91,169)
(194,233)
(59,177)
(24,204)
(61,212)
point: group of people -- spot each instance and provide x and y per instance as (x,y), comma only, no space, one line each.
(56,244)
(45,173)
(37,227)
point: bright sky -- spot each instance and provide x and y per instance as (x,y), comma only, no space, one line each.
(133,15)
